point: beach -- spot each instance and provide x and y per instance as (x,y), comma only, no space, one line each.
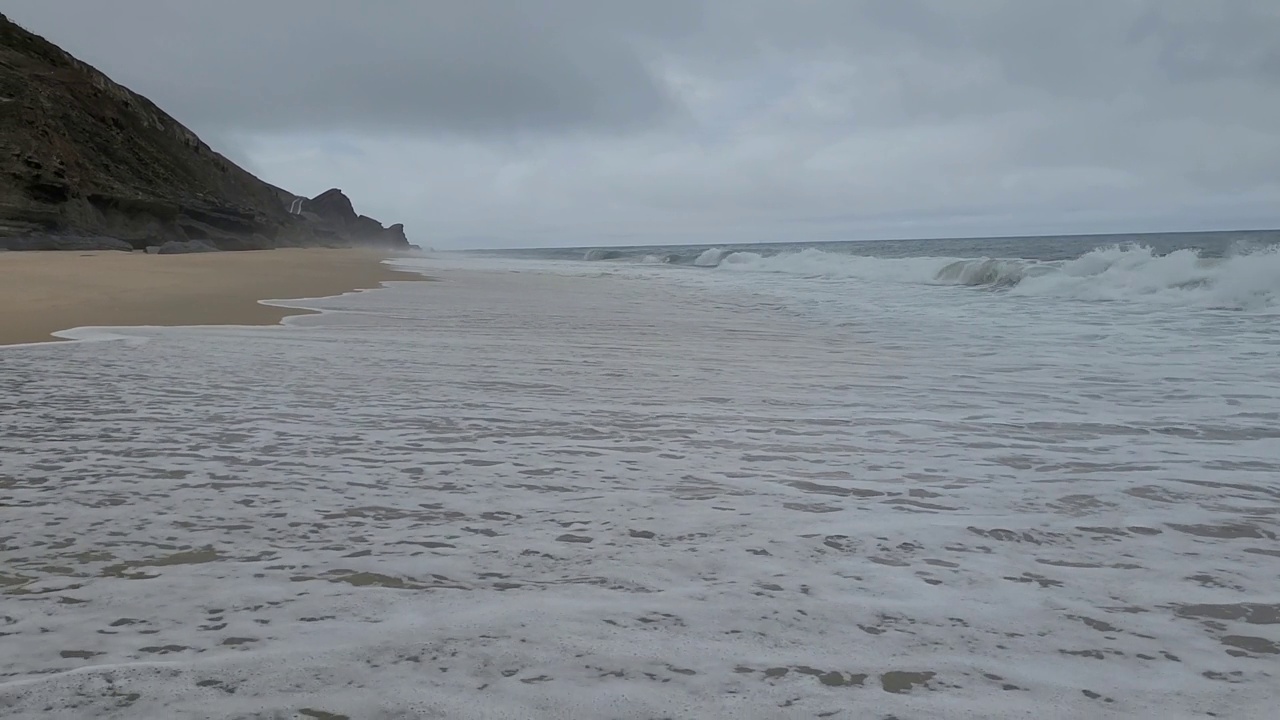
(45,292)
(543,488)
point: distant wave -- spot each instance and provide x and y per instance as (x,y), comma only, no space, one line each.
(649,259)
(1246,280)
(667,259)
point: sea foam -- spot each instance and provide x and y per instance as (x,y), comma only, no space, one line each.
(1249,280)
(660,492)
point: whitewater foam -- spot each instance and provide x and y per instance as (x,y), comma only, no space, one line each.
(711,257)
(1248,281)
(726,493)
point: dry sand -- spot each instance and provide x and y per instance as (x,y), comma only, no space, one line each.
(43,292)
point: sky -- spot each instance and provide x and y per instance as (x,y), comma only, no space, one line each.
(513,123)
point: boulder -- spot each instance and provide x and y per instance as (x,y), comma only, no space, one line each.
(175,247)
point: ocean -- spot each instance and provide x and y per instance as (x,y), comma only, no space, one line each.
(987,478)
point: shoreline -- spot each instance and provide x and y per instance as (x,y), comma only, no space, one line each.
(46,292)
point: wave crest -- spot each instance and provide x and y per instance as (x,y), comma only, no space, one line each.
(713,257)
(986,271)
(1247,280)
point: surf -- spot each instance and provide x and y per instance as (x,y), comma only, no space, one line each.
(1248,280)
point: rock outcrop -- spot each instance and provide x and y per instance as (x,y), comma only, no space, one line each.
(84,157)
(331,211)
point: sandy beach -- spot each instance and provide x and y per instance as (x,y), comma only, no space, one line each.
(44,292)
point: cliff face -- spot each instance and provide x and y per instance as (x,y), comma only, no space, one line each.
(82,156)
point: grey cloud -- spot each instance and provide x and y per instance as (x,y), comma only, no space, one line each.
(481,66)
(566,65)
(582,121)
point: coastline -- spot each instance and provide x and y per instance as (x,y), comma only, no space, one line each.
(46,292)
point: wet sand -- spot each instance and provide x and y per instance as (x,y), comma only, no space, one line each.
(44,292)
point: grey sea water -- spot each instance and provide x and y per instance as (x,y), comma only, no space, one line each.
(1055,247)
(963,479)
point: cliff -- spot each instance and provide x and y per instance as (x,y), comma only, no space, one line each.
(85,158)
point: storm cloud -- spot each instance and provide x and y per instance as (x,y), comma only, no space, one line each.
(505,122)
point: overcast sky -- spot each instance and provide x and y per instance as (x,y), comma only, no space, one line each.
(592,122)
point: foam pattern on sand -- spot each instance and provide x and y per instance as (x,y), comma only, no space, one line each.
(515,495)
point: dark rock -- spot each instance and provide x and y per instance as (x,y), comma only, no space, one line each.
(185,247)
(333,209)
(84,157)
(332,205)
(61,242)
(262,242)
(396,237)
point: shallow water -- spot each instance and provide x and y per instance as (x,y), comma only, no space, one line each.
(548,489)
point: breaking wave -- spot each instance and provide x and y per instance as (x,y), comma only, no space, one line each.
(714,256)
(1246,280)
(650,259)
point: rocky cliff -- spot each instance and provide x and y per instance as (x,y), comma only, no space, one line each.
(83,160)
